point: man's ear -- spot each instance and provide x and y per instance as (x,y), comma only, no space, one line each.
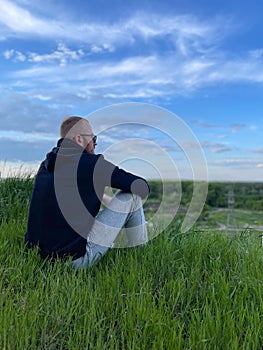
(77,139)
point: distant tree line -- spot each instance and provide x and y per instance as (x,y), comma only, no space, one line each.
(245,195)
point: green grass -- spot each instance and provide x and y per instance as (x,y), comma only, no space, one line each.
(182,291)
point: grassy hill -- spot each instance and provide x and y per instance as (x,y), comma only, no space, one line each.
(200,290)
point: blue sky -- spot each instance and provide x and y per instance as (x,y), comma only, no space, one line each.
(200,60)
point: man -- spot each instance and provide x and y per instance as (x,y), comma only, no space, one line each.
(64,216)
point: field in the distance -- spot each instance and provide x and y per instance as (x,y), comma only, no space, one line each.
(238,219)
(201,290)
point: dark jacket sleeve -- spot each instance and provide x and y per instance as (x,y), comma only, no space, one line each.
(125,181)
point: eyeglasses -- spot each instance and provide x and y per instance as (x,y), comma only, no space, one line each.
(94,137)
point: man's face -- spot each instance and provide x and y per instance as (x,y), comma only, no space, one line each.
(88,139)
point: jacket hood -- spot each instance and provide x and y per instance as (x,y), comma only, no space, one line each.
(65,148)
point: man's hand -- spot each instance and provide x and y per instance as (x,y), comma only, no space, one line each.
(106,199)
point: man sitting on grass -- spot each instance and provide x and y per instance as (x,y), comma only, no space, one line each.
(64,218)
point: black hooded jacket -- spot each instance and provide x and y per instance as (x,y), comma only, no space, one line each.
(67,195)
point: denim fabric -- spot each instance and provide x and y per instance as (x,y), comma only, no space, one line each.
(124,211)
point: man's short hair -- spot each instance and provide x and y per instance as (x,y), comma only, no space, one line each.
(68,123)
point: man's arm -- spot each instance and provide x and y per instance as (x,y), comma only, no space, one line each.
(108,174)
(129,182)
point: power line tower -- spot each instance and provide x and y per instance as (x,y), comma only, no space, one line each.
(231,220)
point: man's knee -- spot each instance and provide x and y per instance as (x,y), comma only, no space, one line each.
(124,196)
(127,196)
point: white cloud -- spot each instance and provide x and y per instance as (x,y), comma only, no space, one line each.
(236,169)
(42,97)
(19,111)
(217,147)
(232,70)
(191,60)
(8,54)
(101,48)
(150,76)
(26,136)
(186,32)
(253,127)
(236,127)
(258,150)
(62,54)
(256,53)
(19,20)
(222,136)
(232,127)
(15,55)
(236,162)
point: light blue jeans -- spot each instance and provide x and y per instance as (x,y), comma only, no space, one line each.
(124,211)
